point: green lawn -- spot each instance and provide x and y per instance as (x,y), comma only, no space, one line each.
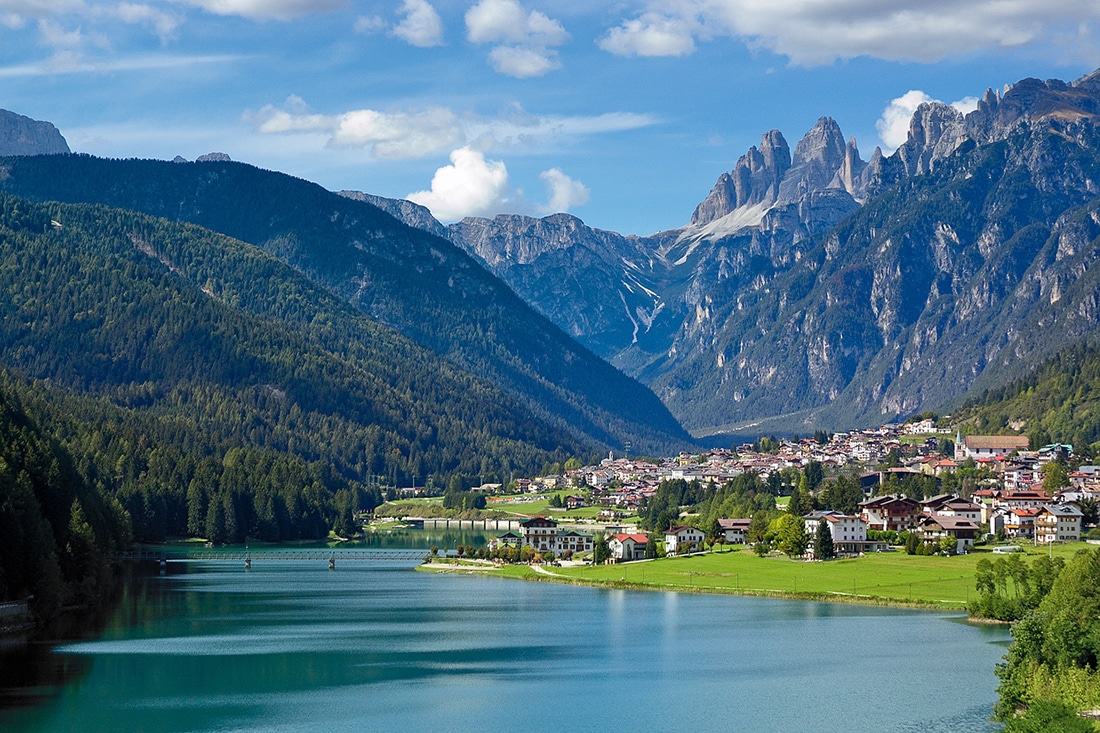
(892,578)
(889,576)
(542,508)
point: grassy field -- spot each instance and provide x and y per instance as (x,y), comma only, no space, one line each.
(889,578)
(542,508)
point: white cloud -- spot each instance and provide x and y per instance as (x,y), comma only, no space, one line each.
(268,9)
(430,130)
(16,13)
(813,32)
(525,39)
(54,36)
(565,192)
(474,186)
(469,186)
(522,62)
(505,21)
(401,135)
(650,35)
(966,105)
(388,135)
(421,25)
(893,126)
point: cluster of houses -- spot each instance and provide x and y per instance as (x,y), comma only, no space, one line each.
(1012,504)
(933,519)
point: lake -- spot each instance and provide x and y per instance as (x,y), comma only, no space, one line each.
(293,646)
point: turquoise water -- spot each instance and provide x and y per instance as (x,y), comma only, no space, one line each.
(292,646)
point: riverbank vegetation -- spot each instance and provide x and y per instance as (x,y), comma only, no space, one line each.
(1052,670)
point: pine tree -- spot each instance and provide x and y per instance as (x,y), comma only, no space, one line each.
(823,541)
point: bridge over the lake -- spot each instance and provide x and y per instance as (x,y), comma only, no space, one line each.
(247,556)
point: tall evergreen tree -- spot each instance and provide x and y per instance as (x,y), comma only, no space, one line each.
(801,502)
(823,542)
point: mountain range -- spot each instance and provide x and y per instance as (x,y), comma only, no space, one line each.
(809,289)
(816,289)
(404,279)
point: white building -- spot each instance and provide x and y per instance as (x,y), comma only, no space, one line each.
(849,532)
(543,535)
(996,447)
(625,547)
(678,536)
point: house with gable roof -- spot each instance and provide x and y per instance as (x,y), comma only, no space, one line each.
(735,530)
(964,531)
(626,547)
(1058,523)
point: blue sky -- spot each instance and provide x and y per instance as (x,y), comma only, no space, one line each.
(623,113)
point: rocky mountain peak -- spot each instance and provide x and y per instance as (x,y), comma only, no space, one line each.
(755,179)
(21,135)
(936,131)
(818,157)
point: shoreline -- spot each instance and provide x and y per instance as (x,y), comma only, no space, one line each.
(545,576)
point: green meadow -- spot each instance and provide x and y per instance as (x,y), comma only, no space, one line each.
(887,578)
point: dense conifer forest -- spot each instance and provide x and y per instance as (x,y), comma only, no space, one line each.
(190,384)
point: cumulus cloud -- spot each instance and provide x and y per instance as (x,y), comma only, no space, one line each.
(474,186)
(893,126)
(812,32)
(565,192)
(497,21)
(430,130)
(469,186)
(525,39)
(421,25)
(650,35)
(267,9)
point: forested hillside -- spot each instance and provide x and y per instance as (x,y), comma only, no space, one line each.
(219,393)
(1058,401)
(422,286)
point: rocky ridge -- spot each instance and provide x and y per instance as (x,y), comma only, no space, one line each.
(816,289)
(21,135)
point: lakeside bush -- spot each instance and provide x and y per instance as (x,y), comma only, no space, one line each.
(1055,654)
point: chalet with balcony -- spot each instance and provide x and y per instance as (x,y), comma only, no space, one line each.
(1058,523)
(736,531)
(962,530)
(890,513)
